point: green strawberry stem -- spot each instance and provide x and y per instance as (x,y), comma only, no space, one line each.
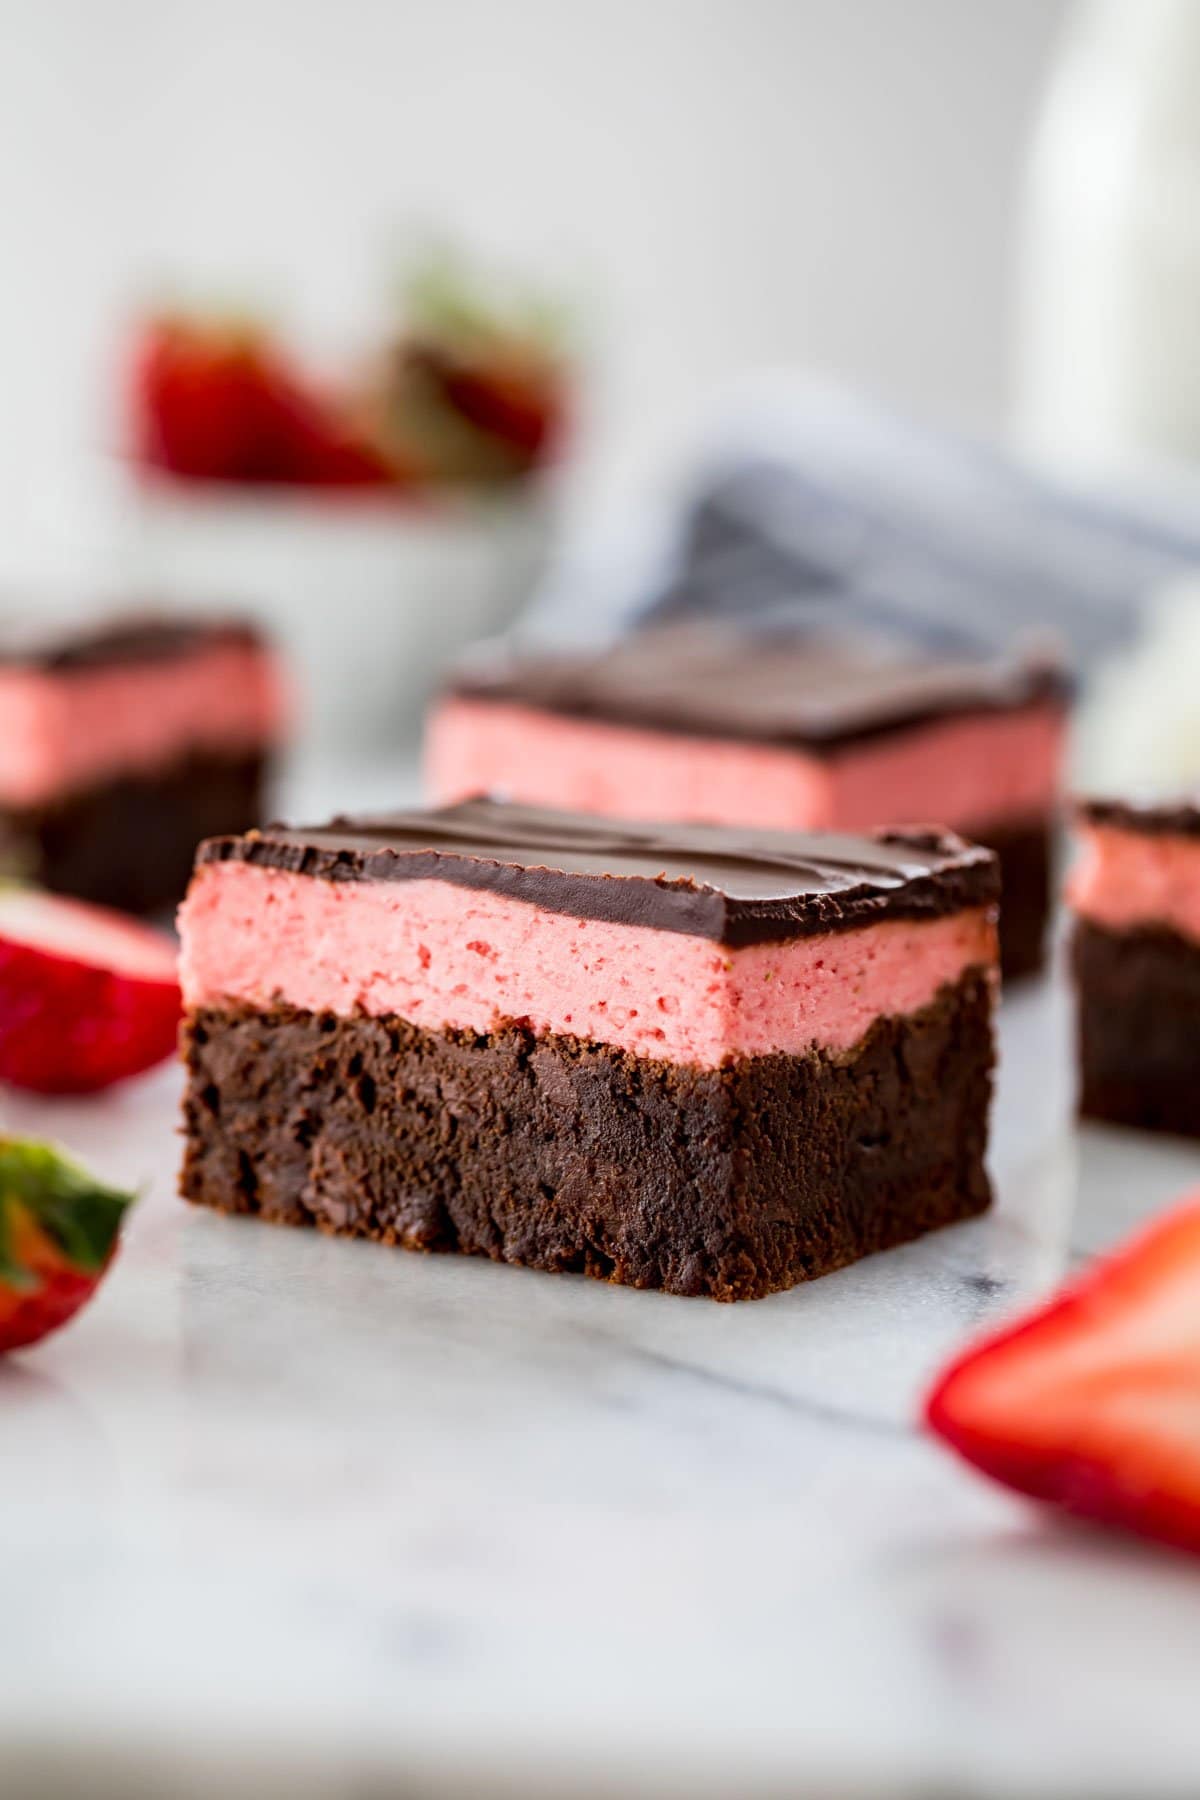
(78,1214)
(447,300)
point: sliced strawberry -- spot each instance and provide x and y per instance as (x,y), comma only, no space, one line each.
(215,400)
(87,997)
(476,387)
(336,454)
(479,416)
(1092,1402)
(58,1232)
(518,403)
(210,401)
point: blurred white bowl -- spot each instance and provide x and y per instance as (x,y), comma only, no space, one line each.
(369,599)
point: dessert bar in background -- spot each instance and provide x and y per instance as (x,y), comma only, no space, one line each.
(123,743)
(688,1058)
(841,734)
(1136,954)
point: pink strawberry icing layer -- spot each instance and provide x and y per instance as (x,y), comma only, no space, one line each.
(450,957)
(1129,878)
(983,770)
(64,730)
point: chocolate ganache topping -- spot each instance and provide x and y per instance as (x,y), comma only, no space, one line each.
(1162,815)
(816,692)
(733,886)
(60,647)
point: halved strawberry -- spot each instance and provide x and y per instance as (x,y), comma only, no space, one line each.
(58,1232)
(512,398)
(337,453)
(1092,1402)
(217,399)
(212,401)
(87,996)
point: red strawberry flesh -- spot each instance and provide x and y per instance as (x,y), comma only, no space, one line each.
(87,997)
(215,401)
(58,1232)
(1092,1403)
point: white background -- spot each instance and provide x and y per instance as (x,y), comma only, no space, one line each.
(721,183)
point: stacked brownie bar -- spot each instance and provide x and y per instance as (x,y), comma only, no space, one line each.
(1136,951)
(123,744)
(834,734)
(689,1058)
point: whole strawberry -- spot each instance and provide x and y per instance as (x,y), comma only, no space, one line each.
(58,1232)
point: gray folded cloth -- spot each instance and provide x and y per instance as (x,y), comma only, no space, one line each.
(815,509)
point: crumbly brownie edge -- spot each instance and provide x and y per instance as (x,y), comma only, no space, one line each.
(1027,856)
(130,842)
(1138,1027)
(573,1156)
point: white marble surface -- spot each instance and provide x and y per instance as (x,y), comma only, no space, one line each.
(287,1516)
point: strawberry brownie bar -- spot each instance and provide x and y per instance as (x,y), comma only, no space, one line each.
(1135,893)
(122,744)
(675,1057)
(825,735)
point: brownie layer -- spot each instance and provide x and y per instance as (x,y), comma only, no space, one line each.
(1026,853)
(1138,1027)
(567,1155)
(130,842)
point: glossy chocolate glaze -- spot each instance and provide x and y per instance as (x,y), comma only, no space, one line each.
(735,887)
(816,692)
(61,647)
(1176,816)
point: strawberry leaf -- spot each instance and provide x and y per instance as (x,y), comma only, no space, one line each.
(79,1215)
(14,1276)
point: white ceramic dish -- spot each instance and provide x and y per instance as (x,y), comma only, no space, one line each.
(370,598)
